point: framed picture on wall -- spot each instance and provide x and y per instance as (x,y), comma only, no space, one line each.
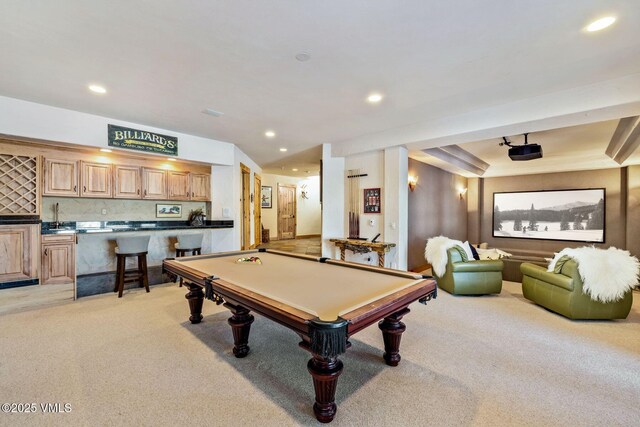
(372,200)
(266,197)
(168,211)
(571,215)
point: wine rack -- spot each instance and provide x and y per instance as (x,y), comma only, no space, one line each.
(19,185)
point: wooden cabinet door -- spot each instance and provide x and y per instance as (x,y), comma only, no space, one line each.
(58,263)
(127,182)
(154,184)
(200,187)
(96,180)
(179,185)
(60,178)
(19,252)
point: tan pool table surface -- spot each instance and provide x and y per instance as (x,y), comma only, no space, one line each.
(326,290)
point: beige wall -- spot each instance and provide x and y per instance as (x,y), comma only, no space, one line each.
(474,211)
(309,218)
(613,180)
(435,208)
(633,210)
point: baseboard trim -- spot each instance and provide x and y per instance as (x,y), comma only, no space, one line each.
(19,283)
(307,236)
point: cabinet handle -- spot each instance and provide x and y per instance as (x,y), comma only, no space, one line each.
(45,251)
(138,191)
(75,188)
(84,189)
(145,192)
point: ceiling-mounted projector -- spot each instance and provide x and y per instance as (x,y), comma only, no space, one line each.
(523,152)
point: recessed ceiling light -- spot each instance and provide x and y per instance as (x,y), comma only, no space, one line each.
(307,171)
(270,134)
(303,57)
(212,112)
(105,150)
(97,89)
(601,24)
(294,169)
(171,159)
(283,149)
(374,98)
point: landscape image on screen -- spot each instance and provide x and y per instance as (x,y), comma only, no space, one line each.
(576,215)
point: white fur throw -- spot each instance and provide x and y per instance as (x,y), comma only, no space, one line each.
(607,275)
(436,253)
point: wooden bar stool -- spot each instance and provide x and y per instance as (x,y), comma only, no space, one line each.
(188,243)
(136,246)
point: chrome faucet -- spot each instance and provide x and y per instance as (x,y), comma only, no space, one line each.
(56,216)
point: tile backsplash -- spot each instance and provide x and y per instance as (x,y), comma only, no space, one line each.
(79,209)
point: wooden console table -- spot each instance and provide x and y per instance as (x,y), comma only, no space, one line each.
(362,247)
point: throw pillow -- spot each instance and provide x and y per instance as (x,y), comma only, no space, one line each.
(503,254)
(558,268)
(475,253)
(467,248)
(462,253)
(488,254)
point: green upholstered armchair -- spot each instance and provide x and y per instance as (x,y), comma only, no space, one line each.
(562,293)
(464,277)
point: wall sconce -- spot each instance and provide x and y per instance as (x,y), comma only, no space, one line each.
(462,192)
(413,181)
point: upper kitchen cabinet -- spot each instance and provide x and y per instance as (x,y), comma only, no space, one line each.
(60,178)
(96,180)
(19,184)
(179,185)
(154,184)
(127,182)
(200,187)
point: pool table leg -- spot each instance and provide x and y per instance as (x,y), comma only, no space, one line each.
(195,296)
(392,329)
(241,326)
(325,372)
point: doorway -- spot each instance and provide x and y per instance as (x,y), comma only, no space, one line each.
(286,211)
(245,241)
(257,209)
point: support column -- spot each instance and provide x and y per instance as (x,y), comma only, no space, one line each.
(396,205)
(332,200)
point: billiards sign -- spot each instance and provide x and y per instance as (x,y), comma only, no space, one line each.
(142,140)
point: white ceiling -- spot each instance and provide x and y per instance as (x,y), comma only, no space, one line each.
(566,149)
(163,62)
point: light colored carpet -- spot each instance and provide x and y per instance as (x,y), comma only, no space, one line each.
(494,360)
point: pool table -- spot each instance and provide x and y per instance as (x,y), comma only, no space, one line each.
(324,301)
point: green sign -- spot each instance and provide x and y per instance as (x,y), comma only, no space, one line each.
(142,140)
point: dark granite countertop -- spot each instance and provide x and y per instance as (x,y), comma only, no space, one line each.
(19,219)
(88,227)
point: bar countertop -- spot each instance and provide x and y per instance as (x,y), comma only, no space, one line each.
(88,227)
